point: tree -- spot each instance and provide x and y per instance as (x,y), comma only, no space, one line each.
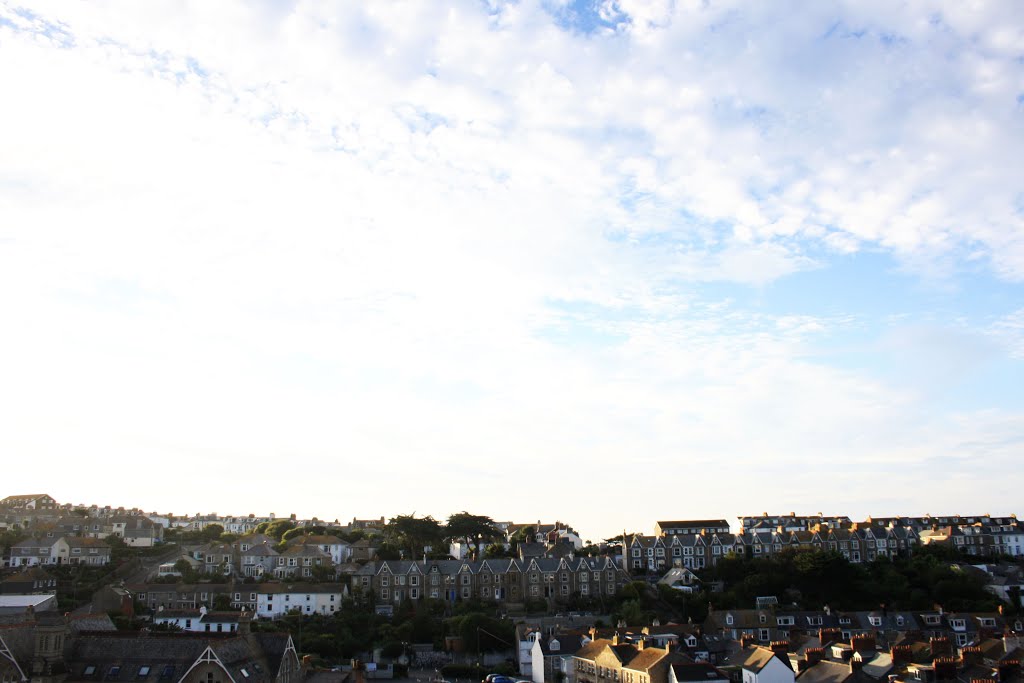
(276,529)
(525,534)
(496,550)
(413,534)
(471,529)
(211,532)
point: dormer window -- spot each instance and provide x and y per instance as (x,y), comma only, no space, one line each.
(728,619)
(875,621)
(763,619)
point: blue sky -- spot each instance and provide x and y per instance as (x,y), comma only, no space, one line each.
(615,261)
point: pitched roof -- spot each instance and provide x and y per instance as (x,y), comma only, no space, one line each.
(755,658)
(825,672)
(697,671)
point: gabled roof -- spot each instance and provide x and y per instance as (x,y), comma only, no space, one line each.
(755,658)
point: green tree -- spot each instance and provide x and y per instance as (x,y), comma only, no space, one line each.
(413,534)
(211,532)
(471,529)
(496,550)
(278,528)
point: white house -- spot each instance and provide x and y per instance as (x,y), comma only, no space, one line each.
(338,550)
(199,620)
(39,551)
(552,656)
(762,665)
(277,599)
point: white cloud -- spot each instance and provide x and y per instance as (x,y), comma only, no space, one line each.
(334,233)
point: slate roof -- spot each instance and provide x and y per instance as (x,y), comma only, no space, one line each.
(167,656)
(825,672)
(697,671)
(755,658)
(647,658)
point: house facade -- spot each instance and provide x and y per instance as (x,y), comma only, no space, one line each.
(505,580)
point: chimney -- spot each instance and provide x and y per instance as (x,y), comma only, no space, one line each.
(970,655)
(1008,668)
(829,635)
(244,623)
(856,664)
(864,643)
(814,655)
(901,654)
(747,639)
(779,647)
(940,647)
(615,638)
(641,643)
(945,669)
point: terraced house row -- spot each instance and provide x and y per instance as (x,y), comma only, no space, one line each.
(696,551)
(505,580)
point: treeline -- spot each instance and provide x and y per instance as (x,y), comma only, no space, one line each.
(812,580)
(356,630)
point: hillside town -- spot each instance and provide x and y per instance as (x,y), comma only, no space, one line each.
(89,592)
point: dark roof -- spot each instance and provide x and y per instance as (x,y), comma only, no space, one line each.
(169,656)
(697,671)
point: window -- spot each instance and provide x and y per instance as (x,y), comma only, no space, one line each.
(143,671)
(114,672)
(89,670)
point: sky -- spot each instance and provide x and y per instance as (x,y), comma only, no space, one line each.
(605,262)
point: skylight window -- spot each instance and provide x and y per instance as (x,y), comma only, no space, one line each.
(143,671)
(89,671)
